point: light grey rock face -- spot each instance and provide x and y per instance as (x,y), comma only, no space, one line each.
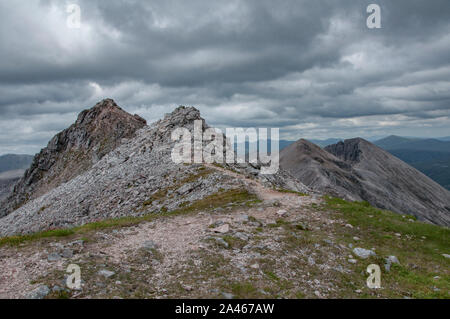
(363,253)
(136,178)
(39,293)
(358,170)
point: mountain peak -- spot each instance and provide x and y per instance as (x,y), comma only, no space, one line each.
(348,150)
(96,132)
(104,110)
(183,115)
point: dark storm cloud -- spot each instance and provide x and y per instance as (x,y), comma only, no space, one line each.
(312,68)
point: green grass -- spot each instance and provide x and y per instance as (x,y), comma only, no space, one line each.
(244,290)
(235,196)
(288,191)
(419,248)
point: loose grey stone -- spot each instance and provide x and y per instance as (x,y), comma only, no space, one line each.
(243,218)
(241,236)
(389,261)
(149,245)
(282,213)
(106,273)
(53,257)
(222,229)
(67,253)
(222,242)
(39,293)
(227,295)
(363,253)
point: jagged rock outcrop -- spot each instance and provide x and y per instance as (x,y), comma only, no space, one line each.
(137,178)
(358,170)
(95,133)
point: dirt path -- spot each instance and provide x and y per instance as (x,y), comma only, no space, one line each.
(176,238)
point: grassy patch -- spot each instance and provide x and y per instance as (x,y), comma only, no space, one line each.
(423,271)
(234,242)
(235,196)
(288,191)
(244,290)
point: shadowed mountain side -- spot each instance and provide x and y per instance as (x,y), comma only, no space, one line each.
(320,170)
(358,170)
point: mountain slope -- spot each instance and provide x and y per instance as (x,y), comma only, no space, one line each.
(358,170)
(95,133)
(136,179)
(390,183)
(320,170)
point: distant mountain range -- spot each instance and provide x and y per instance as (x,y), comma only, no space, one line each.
(12,162)
(359,170)
(12,167)
(430,156)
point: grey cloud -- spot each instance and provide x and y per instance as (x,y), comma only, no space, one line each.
(311,68)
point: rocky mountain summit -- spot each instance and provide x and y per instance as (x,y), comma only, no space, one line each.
(358,170)
(136,178)
(95,133)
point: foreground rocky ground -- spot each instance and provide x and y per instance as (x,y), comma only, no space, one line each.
(253,242)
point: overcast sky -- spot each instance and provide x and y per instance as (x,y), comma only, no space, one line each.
(311,68)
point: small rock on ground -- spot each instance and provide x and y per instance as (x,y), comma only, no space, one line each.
(363,253)
(106,273)
(39,293)
(53,257)
(222,229)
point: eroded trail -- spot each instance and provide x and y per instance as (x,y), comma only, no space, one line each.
(170,256)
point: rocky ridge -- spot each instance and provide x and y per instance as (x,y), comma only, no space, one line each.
(137,178)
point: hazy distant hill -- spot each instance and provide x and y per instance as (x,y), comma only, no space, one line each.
(403,143)
(430,156)
(12,167)
(12,162)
